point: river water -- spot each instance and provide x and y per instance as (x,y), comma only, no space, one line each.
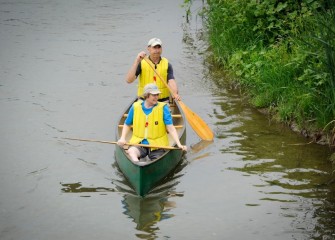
(62,66)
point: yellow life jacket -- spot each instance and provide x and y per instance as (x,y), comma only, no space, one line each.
(148,76)
(150,127)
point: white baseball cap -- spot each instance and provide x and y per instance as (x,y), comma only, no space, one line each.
(154,42)
(151,88)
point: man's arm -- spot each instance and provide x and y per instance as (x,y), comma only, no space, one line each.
(173,86)
(172,83)
(131,75)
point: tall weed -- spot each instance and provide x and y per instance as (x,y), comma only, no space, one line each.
(283,52)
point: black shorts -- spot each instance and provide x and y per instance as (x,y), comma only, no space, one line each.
(151,154)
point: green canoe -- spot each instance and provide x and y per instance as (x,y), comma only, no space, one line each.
(146,174)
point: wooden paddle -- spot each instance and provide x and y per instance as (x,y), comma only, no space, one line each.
(129,144)
(198,125)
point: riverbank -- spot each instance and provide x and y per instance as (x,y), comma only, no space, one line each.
(283,55)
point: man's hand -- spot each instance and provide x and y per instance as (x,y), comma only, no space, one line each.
(121,142)
(177,97)
(140,56)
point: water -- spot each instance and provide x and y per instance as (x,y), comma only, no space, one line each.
(63,65)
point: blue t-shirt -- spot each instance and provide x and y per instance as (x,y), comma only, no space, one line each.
(166,116)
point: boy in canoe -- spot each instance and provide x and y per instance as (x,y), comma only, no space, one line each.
(151,120)
(147,75)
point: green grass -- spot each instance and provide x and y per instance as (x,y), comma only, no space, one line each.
(283,55)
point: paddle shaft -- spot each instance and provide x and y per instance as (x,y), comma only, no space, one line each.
(198,125)
(129,144)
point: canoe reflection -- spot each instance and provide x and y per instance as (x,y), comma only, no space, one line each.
(146,212)
(154,207)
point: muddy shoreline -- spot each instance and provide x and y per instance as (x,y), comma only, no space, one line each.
(319,136)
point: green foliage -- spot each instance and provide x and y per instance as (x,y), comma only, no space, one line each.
(283,52)
(187,6)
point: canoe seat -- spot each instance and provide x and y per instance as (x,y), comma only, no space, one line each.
(173,115)
(176,126)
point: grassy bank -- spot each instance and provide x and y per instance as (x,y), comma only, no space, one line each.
(282,53)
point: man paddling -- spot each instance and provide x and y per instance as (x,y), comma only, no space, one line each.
(151,120)
(147,75)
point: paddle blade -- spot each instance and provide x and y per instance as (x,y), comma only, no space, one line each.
(197,124)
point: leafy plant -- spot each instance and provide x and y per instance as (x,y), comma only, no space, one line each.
(282,52)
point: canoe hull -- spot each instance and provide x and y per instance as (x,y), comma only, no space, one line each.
(145,178)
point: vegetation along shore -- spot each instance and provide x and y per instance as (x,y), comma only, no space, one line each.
(282,55)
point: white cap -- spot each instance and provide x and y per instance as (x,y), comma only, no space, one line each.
(151,88)
(154,42)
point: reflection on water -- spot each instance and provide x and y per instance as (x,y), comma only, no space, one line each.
(78,188)
(198,150)
(199,146)
(154,207)
(293,172)
(146,212)
(304,183)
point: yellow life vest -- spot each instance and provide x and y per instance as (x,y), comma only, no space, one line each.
(148,76)
(150,127)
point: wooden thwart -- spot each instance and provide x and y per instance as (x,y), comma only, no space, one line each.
(173,115)
(176,126)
